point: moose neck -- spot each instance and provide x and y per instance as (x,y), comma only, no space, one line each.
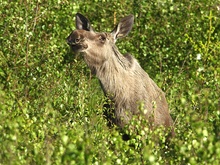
(111,71)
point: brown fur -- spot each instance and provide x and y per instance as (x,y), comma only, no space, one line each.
(122,78)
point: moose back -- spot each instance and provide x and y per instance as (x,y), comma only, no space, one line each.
(121,77)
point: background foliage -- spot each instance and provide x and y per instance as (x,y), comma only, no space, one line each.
(51,107)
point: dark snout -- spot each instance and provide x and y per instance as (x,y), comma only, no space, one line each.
(69,41)
(72,39)
(76,41)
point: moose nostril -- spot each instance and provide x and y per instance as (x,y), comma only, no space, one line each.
(77,40)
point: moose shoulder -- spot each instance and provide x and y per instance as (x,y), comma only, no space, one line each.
(121,77)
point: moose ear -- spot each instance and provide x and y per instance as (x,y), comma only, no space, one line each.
(123,27)
(82,23)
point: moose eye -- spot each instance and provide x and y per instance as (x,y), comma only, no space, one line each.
(102,38)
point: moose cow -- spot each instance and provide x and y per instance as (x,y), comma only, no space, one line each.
(121,77)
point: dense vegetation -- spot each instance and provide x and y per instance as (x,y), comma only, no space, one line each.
(51,107)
